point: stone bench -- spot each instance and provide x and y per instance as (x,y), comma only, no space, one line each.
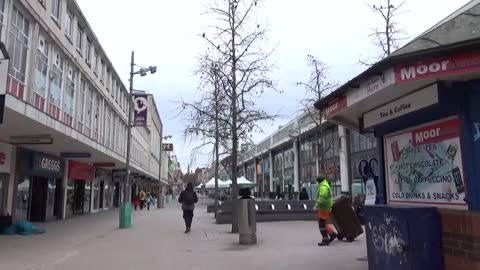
(267,211)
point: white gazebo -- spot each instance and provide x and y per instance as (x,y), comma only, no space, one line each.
(211,184)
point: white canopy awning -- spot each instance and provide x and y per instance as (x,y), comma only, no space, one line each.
(211,184)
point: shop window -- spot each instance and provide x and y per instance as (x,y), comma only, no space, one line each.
(102,72)
(3,194)
(68,96)
(70,211)
(18,47)
(88,53)
(2,19)
(88,109)
(22,198)
(69,24)
(79,106)
(41,69)
(56,80)
(56,10)
(86,198)
(80,39)
(96,113)
(96,194)
(95,62)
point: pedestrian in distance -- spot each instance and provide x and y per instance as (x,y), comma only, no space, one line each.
(303,195)
(135,202)
(149,200)
(142,196)
(188,198)
(323,205)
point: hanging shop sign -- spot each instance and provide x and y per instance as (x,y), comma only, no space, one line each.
(48,166)
(424,165)
(167,147)
(140,106)
(5,157)
(438,66)
(410,103)
(336,106)
(80,171)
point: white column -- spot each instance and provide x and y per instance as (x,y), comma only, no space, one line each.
(270,161)
(65,188)
(296,167)
(255,173)
(344,161)
(11,180)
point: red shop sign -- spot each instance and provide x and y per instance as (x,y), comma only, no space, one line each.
(335,106)
(439,66)
(80,171)
(436,133)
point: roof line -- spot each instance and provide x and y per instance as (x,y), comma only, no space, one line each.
(395,60)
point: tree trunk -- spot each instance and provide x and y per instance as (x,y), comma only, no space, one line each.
(217,155)
(234,124)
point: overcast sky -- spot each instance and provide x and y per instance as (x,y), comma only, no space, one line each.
(165,34)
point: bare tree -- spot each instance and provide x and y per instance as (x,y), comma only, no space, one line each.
(388,35)
(316,87)
(239,39)
(206,117)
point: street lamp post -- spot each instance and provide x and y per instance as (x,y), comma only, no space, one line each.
(126,208)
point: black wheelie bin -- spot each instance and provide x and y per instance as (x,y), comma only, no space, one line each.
(345,220)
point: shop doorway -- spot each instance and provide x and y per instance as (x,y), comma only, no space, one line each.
(116,198)
(102,191)
(38,204)
(57,207)
(79,196)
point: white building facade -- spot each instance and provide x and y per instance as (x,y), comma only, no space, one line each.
(64,130)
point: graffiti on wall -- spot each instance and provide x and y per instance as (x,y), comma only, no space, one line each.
(388,239)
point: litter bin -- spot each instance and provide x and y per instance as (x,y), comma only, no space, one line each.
(247,220)
(346,221)
(403,238)
(125,215)
(247,223)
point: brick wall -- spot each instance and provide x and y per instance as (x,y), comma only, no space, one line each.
(461,239)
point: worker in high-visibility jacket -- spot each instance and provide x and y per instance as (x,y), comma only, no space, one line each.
(323,205)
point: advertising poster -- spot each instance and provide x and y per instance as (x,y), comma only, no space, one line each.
(424,165)
(140,110)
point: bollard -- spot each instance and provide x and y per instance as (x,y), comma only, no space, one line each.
(247,222)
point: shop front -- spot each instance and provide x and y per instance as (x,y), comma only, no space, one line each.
(80,188)
(423,108)
(5,178)
(260,183)
(277,180)
(102,192)
(39,187)
(117,177)
(266,176)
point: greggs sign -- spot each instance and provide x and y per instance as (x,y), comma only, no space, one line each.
(440,66)
(335,106)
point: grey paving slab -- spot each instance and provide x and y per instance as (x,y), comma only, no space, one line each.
(157,241)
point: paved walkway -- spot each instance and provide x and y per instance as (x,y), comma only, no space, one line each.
(157,241)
